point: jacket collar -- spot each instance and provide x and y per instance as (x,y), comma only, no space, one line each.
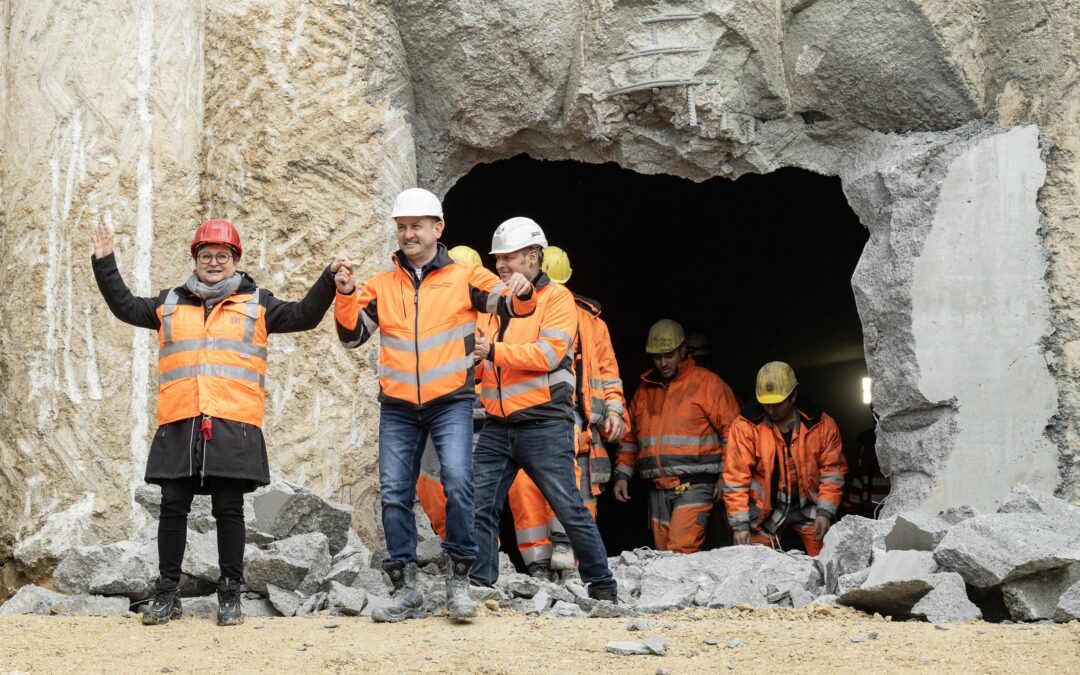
(809,413)
(442,259)
(247,286)
(588,304)
(653,377)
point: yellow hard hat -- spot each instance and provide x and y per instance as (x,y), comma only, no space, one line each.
(464,254)
(775,382)
(556,265)
(665,336)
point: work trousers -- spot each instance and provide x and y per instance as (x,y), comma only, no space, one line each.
(227,499)
(678,518)
(805,530)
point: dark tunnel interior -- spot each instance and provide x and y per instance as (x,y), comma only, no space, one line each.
(761,266)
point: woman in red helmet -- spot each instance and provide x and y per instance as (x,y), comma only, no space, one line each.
(212,350)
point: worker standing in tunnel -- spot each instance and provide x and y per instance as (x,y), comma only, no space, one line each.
(679,421)
(425,307)
(528,392)
(212,357)
(599,413)
(429,489)
(785,465)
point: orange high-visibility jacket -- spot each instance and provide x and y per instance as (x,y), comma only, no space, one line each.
(677,431)
(600,389)
(427,328)
(529,373)
(752,458)
(217,367)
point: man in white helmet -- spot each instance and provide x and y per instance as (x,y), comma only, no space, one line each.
(527,389)
(425,307)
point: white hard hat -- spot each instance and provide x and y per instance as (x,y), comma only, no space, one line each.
(417,202)
(516,234)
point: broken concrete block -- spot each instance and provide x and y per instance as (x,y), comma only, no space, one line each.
(91,605)
(957,514)
(1022,499)
(373,582)
(915,532)
(639,624)
(124,568)
(1068,608)
(520,586)
(538,602)
(285,601)
(894,583)
(567,610)
(298,563)
(994,548)
(348,601)
(670,578)
(1036,597)
(947,601)
(896,565)
(258,608)
(677,597)
(345,568)
(284,515)
(202,608)
(656,644)
(201,556)
(628,648)
(485,593)
(31,600)
(607,610)
(849,546)
(315,603)
(731,592)
(850,582)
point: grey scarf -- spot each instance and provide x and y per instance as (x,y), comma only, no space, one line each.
(212,294)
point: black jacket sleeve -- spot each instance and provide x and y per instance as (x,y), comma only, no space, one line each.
(140,312)
(292,317)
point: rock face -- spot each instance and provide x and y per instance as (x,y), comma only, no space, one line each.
(303,129)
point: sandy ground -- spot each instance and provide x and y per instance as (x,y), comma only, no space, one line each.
(819,639)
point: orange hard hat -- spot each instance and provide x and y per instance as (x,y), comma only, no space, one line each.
(217,231)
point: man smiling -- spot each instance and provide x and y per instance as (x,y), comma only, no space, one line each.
(425,307)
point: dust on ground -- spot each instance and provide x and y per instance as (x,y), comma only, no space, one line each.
(816,639)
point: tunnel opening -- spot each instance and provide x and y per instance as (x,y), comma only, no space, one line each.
(761,266)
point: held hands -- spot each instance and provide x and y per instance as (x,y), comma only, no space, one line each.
(102,240)
(518,284)
(344,278)
(622,490)
(742,537)
(611,429)
(483,345)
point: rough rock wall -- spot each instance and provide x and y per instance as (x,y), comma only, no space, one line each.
(297,118)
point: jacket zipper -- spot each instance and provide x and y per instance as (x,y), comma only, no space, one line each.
(498,371)
(416,342)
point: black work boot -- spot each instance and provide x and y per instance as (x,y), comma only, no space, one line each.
(228,603)
(540,571)
(609,593)
(408,600)
(459,605)
(165,604)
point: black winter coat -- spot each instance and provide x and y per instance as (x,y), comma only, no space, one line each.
(237,450)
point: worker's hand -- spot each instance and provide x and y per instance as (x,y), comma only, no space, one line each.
(482,348)
(611,429)
(622,490)
(718,490)
(741,537)
(103,241)
(344,279)
(821,526)
(518,284)
(340,262)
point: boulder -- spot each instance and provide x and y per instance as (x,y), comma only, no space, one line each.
(31,599)
(346,600)
(1068,608)
(849,547)
(894,583)
(282,515)
(299,563)
(123,568)
(91,605)
(947,601)
(284,600)
(915,532)
(1036,597)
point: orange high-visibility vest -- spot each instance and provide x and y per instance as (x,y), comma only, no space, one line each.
(532,373)
(215,367)
(600,389)
(816,457)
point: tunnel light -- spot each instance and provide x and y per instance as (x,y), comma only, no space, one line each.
(866,391)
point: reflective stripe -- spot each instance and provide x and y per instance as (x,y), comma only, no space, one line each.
(489,394)
(613,384)
(555,333)
(834,480)
(167,311)
(647,468)
(732,487)
(369,324)
(211,370)
(615,407)
(739,517)
(493,298)
(437,340)
(252,311)
(549,354)
(756,487)
(220,344)
(627,448)
(531,534)
(427,376)
(596,383)
(676,439)
(536,554)
(562,377)
(525,387)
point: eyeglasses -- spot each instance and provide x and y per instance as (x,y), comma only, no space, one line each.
(220,258)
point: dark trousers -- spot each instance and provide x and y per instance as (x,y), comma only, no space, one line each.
(228,509)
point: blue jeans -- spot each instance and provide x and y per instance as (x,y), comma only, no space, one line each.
(545,449)
(402,435)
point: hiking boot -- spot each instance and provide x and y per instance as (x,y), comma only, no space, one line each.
(228,603)
(540,571)
(609,593)
(164,606)
(459,605)
(562,558)
(408,600)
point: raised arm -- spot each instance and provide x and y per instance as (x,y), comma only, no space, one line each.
(131,309)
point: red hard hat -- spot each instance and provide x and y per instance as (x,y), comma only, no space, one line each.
(217,231)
